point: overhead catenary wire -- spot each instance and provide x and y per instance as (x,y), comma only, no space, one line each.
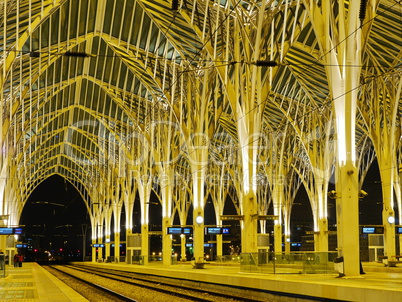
(236,62)
(244,62)
(260,63)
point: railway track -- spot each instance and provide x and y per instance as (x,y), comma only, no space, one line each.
(129,284)
(92,289)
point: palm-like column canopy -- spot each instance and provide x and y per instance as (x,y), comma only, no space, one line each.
(82,81)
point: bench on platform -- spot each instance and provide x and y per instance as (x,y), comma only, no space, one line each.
(382,259)
(393,263)
(200,263)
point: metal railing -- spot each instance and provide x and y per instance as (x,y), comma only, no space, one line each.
(228,259)
(265,263)
(152,260)
(288,263)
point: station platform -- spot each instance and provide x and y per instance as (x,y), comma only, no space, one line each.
(379,283)
(33,283)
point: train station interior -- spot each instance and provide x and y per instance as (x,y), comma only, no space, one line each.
(263,137)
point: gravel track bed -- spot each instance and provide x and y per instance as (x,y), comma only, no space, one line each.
(249,295)
(142,295)
(132,291)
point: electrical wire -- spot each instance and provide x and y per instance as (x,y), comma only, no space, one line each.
(323,106)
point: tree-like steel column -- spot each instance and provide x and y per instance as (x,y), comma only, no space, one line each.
(380,112)
(248,107)
(197,130)
(166,152)
(344,83)
(182,196)
(117,221)
(107,237)
(166,183)
(218,188)
(198,213)
(342,50)
(144,190)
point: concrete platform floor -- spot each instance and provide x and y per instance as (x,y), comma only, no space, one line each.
(379,283)
(32,283)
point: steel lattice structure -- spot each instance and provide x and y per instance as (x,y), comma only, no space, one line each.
(197,98)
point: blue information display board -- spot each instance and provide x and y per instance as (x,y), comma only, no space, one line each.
(373,230)
(217,230)
(212,231)
(176,230)
(10,231)
(225,230)
(17,231)
(368,230)
(6,231)
(173,230)
(21,246)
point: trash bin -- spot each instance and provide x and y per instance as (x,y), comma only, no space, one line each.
(338,264)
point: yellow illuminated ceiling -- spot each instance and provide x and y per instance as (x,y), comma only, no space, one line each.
(82,81)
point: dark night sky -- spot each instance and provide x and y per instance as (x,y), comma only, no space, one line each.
(60,219)
(58,216)
(370,207)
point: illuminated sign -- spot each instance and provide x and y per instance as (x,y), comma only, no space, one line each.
(370,230)
(265,217)
(211,231)
(179,230)
(225,230)
(10,231)
(98,245)
(23,246)
(6,231)
(217,230)
(232,217)
(187,230)
(172,230)
(373,230)
(157,233)
(17,231)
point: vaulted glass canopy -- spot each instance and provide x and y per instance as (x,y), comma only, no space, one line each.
(94,90)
